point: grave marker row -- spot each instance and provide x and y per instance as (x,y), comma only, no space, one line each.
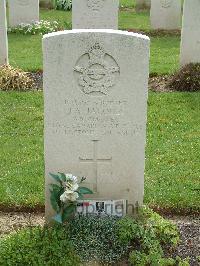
(23,11)
(165,14)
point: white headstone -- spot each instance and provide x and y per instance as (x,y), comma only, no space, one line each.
(190,40)
(95,14)
(165,14)
(23,11)
(95,87)
(141,4)
(3,34)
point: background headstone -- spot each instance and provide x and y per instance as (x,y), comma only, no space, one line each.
(95,14)
(23,11)
(142,4)
(95,87)
(165,14)
(190,40)
(3,34)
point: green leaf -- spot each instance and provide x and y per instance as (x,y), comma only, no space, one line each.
(63,177)
(80,195)
(58,218)
(84,190)
(54,203)
(55,177)
(55,187)
(56,192)
(68,211)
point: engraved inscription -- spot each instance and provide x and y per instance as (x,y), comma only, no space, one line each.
(95,160)
(166,3)
(96,71)
(95,5)
(23,2)
(95,118)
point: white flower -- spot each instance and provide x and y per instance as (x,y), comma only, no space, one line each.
(71,182)
(73,187)
(63,198)
(71,178)
(69,195)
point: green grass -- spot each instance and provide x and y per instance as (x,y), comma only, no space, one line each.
(164,53)
(21,142)
(26,51)
(131,20)
(173,144)
(173,138)
(127,3)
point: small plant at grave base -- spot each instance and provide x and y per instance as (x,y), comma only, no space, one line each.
(149,235)
(65,195)
(95,238)
(14,79)
(63,4)
(38,27)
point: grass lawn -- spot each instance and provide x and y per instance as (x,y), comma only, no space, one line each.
(173,140)
(173,144)
(164,53)
(26,51)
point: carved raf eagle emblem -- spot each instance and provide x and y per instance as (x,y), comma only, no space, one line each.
(97,71)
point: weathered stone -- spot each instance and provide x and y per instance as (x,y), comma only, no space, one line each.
(190,40)
(95,14)
(23,11)
(3,34)
(165,14)
(95,87)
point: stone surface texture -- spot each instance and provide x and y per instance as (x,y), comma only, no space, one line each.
(95,95)
(3,34)
(190,40)
(165,14)
(95,14)
(23,11)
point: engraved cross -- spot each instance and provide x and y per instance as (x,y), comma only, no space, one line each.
(95,160)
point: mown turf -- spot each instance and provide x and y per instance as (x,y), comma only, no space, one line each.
(26,51)
(164,53)
(173,144)
(21,153)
